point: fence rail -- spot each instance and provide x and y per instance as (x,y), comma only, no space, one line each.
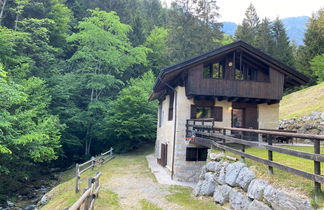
(205,133)
(79,168)
(87,199)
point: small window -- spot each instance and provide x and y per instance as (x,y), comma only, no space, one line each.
(196,154)
(239,74)
(203,112)
(215,71)
(171,101)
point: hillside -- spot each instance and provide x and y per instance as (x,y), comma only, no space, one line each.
(295,27)
(303,102)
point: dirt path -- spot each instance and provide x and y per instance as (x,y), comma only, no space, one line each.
(132,181)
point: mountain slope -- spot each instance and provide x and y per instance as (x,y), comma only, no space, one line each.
(295,27)
(302,102)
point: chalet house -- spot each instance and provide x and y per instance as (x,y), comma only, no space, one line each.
(237,85)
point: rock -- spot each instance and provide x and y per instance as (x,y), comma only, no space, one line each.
(221,194)
(220,171)
(203,172)
(10,204)
(256,188)
(208,185)
(211,166)
(216,157)
(43,200)
(232,171)
(245,177)
(238,200)
(196,190)
(30,207)
(257,205)
(282,201)
(322,116)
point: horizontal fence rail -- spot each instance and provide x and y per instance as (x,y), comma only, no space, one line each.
(204,132)
(83,167)
(87,199)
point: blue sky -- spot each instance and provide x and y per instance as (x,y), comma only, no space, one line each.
(233,10)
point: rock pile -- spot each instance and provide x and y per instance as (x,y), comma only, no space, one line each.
(237,184)
(310,124)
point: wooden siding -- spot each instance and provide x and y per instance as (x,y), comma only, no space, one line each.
(196,84)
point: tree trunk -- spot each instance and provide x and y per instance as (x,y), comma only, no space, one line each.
(2,10)
(16,21)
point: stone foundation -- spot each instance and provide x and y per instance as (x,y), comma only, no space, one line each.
(234,183)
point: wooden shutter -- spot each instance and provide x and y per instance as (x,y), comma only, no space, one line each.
(193,112)
(218,113)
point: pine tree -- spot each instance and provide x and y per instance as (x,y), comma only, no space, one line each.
(314,44)
(248,30)
(282,49)
(263,38)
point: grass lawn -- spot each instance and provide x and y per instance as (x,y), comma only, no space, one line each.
(282,179)
(302,102)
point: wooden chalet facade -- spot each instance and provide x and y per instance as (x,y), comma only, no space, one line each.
(237,85)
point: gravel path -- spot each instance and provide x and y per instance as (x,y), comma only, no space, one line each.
(134,182)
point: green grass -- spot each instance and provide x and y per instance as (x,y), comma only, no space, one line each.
(183,196)
(147,205)
(303,102)
(283,179)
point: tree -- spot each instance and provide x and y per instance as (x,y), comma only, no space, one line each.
(103,54)
(263,39)
(156,41)
(190,34)
(317,66)
(314,44)
(282,49)
(131,119)
(248,29)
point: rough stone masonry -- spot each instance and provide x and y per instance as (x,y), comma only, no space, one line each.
(234,183)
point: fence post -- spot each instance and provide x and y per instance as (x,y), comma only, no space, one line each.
(270,155)
(93,162)
(111,151)
(97,184)
(243,147)
(317,169)
(77,176)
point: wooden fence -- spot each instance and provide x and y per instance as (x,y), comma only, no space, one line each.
(205,133)
(81,168)
(87,199)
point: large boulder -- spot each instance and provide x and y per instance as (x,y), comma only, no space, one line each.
(211,166)
(43,201)
(196,190)
(257,205)
(208,185)
(238,200)
(221,194)
(220,172)
(232,171)
(256,188)
(280,200)
(244,178)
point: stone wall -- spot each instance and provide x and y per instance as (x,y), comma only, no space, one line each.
(310,124)
(234,183)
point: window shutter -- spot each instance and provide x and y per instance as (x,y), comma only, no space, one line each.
(193,112)
(218,113)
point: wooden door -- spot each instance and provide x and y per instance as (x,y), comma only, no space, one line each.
(164,155)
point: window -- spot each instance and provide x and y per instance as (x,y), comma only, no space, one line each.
(239,74)
(215,70)
(196,154)
(171,106)
(203,112)
(199,112)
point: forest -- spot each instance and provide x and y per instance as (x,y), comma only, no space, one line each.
(75,75)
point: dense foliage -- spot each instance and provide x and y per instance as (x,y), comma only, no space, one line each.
(75,75)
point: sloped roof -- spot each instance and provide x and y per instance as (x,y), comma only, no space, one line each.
(291,73)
